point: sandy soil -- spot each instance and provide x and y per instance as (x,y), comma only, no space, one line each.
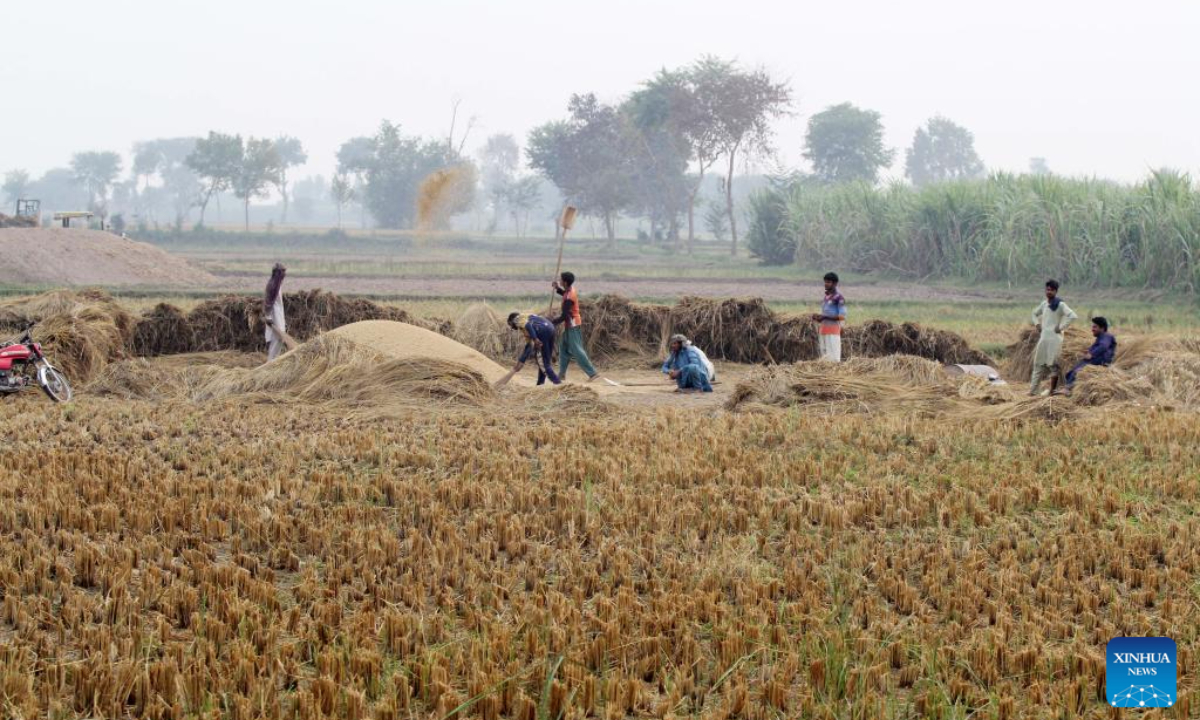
(771,290)
(61,257)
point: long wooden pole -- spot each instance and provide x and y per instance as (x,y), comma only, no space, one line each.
(565,222)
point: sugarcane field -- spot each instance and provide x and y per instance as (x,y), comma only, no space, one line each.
(720,374)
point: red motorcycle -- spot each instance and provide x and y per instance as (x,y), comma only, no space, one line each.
(23,365)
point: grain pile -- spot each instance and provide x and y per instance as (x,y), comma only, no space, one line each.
(17,221)
(401,341)
(60,257)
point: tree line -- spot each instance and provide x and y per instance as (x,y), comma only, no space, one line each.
(650,155)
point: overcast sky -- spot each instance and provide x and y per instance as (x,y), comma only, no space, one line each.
(1098,88)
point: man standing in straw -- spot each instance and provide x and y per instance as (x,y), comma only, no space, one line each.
(1053,317)
(273,312)
(831,317)
(570,344)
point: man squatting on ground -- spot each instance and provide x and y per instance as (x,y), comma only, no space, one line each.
(539,338)
(1053,317)
(570,345)
(831,317)
(687,367)
(273,312)
(1102,351)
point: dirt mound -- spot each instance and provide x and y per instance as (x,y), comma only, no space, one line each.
(397,340)
(81,331)
(60,256)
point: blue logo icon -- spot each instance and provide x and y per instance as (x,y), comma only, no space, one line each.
(1140,672)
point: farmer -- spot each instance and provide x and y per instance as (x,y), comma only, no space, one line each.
(1100,353)
(273,312)
(571,343)
(687,366)
(1053,317)
(539,338)
(831,317)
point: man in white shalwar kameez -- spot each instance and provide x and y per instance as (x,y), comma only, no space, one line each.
(1053,317)
(273,312)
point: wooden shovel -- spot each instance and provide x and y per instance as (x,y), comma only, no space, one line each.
(565,223)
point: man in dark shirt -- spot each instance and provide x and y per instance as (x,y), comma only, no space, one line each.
(1102,351)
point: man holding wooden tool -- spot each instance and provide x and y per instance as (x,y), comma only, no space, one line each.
(570,343)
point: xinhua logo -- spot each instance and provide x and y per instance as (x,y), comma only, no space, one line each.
(1140,672)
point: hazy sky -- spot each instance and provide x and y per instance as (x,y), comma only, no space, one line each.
(1102,88)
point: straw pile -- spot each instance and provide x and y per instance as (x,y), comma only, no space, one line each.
(613,325)
(878,338)
(482,328)
(80,331)
(334,369)
(894,384)
(1020,354)
(234,322)
(163,330)
(184,377)
(17,221)
(747,331)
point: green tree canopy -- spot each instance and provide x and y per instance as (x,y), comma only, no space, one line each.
(844,143)
(941,151)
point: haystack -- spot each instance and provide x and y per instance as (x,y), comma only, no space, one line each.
(163,330)
(1019,365)
(861,385)
(614,325)
(81,331)
(1103,385)
(234,322)
(481,327)
(879,338)
(746,330)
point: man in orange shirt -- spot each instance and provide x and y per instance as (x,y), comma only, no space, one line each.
(570,344)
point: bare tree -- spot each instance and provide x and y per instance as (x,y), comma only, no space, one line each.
(341,191)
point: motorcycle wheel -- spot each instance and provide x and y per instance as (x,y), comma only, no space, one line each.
(53,384)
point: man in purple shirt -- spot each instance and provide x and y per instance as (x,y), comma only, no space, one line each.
(1101,352)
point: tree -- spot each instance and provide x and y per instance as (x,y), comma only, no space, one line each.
(341,191)
(394,170)
(58,190)
(661,152)
(1039,166)
(354,158)
(745,102)
(16,185)
(521,197)
(95,172)
(499,159)
(844,143)
(942,151)
(217,159)
(291,153)
(258,169)
(716,220)
(586,157)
